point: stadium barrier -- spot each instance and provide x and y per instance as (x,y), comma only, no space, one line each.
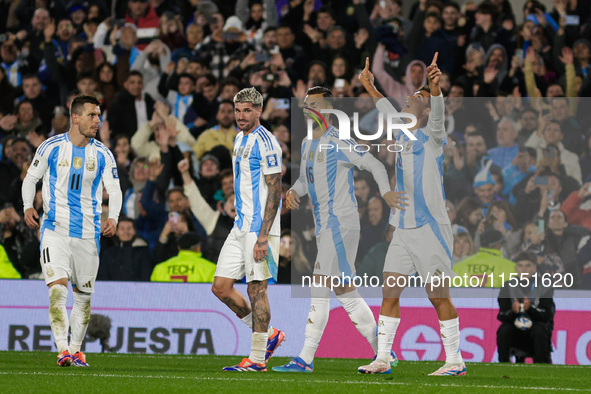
(186,318)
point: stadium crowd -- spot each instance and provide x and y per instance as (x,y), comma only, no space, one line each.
(518,158)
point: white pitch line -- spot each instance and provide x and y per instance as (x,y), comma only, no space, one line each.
(293,380)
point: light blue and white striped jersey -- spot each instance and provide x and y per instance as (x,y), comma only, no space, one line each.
(419,172)
(326,174)
(73,185)
(255,155)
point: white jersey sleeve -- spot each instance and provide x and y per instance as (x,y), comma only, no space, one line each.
(35,173)
(111,182)
(271,155)
(301,185)
(435,125)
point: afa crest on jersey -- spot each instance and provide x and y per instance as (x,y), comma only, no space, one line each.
(91,164)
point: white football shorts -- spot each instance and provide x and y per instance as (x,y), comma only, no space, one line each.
(337,250)
(236,259)
(76,259)
(425,250)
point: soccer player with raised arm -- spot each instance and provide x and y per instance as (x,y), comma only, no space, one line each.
(252,247)
(74,166)
(326,175)
(423,239)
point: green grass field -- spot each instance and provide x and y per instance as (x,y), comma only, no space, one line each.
(37,372)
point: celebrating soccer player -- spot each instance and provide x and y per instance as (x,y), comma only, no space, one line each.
(74,167)
(326,175)
(252,247)
(423,238)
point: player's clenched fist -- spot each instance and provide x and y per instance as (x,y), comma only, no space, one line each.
(31,218)
(292,200)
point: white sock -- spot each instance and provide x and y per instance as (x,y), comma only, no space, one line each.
(58,316)
(259,347)
(361,316)
(387,327)
(248,321)
(316,323)
(79,318)
(450,336)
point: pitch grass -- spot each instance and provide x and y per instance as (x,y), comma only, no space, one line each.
(37,372)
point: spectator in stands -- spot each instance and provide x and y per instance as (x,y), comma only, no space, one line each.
(500,217)
(138,177)
(13,68)
(141,14)
(566,240)
(106,83)
(129,259)
(152,62)
(217,223)
(27,119)
(223,133)
(131,108)
(506,150)
(536,304)
(33,91)
(194,33)
(484,185)
(209,181)
(19,157)
(463,246)
(522,165)
(469,215)
(375,226)
(488,261)
(179,223)
(550,134)
(19,242)
(187,266)
(572,207)
(167,131)
(529,125)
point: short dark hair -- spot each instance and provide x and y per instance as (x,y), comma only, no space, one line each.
(126,219)
(175,189)
(529,256)
(325,92)
(79,101)
(530,151)
(134,73)
(187,75)
(85,75)
(226,172)
(230,81)
(326,10)
(226,101)
(452,4)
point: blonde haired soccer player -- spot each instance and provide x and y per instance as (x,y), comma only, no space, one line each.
(74,166)
(423,239)
(252,247)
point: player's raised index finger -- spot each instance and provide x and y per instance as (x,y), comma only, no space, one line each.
(367,63)
(434,61)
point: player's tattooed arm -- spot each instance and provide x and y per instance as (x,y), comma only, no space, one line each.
(273,182)
(261,312)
